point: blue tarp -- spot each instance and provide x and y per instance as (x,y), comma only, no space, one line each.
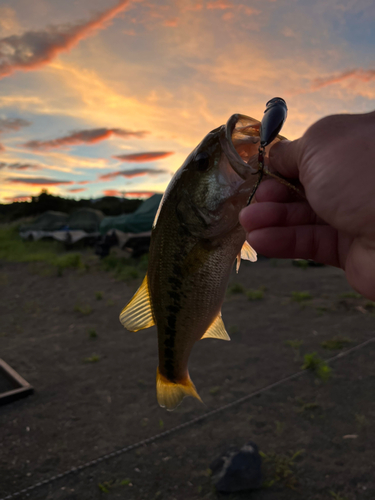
(139,221)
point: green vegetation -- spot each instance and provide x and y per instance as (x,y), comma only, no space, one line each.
(92,333)
(302,263)
(161,423)
(84,309)
(336,496)
(278,469)
(280,426)
(255,294)
(123,268)
(350,295)
(301,296)
(336,343)
(295,345)
(92,359)
(361,420)
(215,390)
(105,486)
(110,303)
(317,365)
(233,329)
(98,295)
(235,288)
(306,407)
(14,249)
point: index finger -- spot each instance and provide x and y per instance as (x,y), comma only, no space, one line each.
(284,158)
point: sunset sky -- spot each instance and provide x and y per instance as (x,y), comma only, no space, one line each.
(105,97)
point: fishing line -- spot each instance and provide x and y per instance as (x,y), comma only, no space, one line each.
(178,427)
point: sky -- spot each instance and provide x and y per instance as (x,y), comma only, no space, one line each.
(109,97)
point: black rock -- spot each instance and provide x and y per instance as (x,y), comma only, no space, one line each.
(238,470)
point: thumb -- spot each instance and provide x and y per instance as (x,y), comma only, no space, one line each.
(284,157)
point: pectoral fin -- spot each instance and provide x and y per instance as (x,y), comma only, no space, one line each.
(137,314)
(217,330)
(247,253)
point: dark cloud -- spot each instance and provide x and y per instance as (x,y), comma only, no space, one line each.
(356,74)
(135,172)
(12,124)
(20,166)
(37,181)
(34,49)
(144,157)
(90,136)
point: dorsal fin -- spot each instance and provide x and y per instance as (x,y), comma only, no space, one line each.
(247,253)
(217,330)
(137,314)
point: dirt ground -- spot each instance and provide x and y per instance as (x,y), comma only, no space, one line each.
(95,389)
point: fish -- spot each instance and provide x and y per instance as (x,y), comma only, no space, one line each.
(196,239)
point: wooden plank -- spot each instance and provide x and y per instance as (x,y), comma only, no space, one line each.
(23,388)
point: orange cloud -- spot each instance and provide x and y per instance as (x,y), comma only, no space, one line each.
(34,49)
(129,194)
(357,74)
(84,137)
(82,182)
(143,157)
(172,22)
(2,147)
(135,172)
(37,181)
(20,166)
(76,190)
(20,197)
(219,4)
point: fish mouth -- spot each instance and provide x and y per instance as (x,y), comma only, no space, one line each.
(240,142)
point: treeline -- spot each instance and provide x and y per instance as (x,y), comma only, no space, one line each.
(109,205)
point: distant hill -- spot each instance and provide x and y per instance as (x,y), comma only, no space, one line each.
(109,205)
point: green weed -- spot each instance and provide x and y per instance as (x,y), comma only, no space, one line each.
(110,303)
(361,420)
(92,359)
(279,469)
(336,343)
(370,305)
(92,333)
(123,268)
(161,423)
(280,426)
(255,294)
(336,496)
(235,288)
(14,249)
(350,295)
(302,263)
(98,295)
(306,407)
(301,296)
(106,486)
(214,390)
(317,365)
(84,309)
(295,345)
(233,329)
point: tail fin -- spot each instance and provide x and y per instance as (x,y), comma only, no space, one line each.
(171,394)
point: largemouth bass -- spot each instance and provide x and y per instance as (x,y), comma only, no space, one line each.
(195,241)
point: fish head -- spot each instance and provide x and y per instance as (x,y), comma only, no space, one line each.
(216,179)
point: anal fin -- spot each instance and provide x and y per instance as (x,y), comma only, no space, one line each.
(217,330)
(137,314)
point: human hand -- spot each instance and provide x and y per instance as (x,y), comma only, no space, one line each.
(334,161)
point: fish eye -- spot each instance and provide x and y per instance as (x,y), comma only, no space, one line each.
(202,161)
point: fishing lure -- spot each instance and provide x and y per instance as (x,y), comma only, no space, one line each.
(272,122)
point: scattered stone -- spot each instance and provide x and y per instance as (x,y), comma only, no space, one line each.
(238,470)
